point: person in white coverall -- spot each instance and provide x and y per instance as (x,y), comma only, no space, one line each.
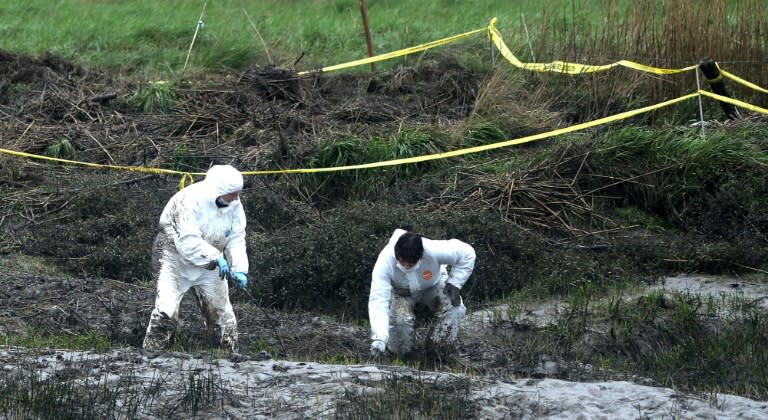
(201,246)
(411,270)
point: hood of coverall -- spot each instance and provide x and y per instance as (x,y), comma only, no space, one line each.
(223,179)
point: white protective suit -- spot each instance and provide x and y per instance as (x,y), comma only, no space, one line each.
(195,232)
(395,292)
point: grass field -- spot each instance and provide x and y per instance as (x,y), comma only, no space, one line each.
(154,37)
(151,39)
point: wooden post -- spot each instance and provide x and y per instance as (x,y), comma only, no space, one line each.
(364,13)
(711,71)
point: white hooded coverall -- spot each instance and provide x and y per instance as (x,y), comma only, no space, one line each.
(395,291)
(195,232)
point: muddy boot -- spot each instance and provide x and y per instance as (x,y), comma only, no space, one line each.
(159,331)
(229,338)
(220,324)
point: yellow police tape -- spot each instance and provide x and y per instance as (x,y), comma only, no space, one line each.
(495,36)
(742,81)
(600,121)
(570,68)
(735,102)
(141,169)
(496,39)
(527,139)
(555,66)
(393,54)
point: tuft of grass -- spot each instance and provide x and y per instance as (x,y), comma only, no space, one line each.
(678,174)
(636,216)
(27,393)
(403,397)
(30,264)
(35,338)
(185,159)
(351,151)
(35,397)
(61,150)
(155,97)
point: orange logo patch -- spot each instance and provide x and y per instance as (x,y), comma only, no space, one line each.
(427,275)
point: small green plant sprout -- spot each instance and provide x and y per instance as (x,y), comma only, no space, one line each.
(157,96)
(61,150)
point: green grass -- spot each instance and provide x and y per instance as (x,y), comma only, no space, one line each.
(35,338)
(31,265)
(153,38)
(154,97)
(405,397)
(158,39)
(695,342)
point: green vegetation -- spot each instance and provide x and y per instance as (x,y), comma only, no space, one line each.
(367,182)
(402,398)
(677,339)
(154,38)
(155,97)
(158,39)
(61,150)
(36,338)
(32,395)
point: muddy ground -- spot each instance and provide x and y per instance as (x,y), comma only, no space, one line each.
(480,381)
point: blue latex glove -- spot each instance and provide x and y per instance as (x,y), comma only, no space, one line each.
(223,268)
(239,279)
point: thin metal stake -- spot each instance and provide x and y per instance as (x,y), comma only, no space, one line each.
(197,28)
(530,47)
(701,107)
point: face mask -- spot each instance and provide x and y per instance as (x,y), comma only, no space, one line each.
(412,268)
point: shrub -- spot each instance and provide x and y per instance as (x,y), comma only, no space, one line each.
(326,265)
(102,231)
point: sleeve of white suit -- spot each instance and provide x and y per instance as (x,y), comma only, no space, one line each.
(379,298)
(459,255)
(236,249)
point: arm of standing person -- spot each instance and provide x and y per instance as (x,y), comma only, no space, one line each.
(235,250)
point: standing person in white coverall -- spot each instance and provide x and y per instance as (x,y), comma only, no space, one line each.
(201,247)
(410,270)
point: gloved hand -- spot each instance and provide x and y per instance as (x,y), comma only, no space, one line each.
(239,279)
(223,268)
(378,347)
(453,293)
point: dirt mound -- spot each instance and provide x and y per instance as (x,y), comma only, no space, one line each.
(256,117)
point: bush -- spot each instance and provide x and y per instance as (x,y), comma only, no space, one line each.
(102,231)
(326,265)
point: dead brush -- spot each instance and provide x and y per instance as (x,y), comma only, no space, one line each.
(502,100)
(660,34)
(547,195)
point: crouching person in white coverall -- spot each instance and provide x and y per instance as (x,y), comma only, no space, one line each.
(201,247)
(411,270)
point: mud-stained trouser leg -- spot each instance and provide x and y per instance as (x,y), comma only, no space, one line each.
(445,331)
(401,325)
(444,335)
(165,315)
(218,314)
